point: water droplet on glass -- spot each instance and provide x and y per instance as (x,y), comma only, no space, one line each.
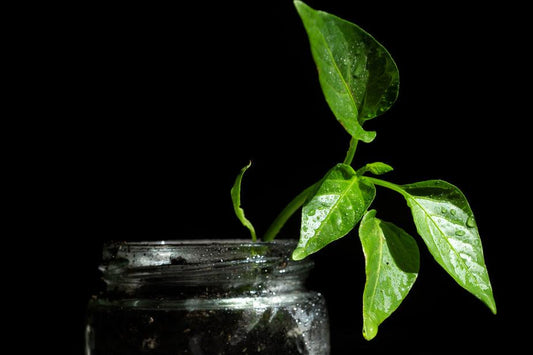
(459,232)
(471,222)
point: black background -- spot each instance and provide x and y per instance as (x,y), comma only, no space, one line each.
(152,111)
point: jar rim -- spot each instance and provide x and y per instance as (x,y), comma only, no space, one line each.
(200,242)
(192,251)
(130,266)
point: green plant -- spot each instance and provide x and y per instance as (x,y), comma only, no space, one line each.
(360,81)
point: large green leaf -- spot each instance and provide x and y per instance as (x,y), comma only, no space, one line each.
(392,261)
(358,76)
(332,211)
(236,199)
(446,223)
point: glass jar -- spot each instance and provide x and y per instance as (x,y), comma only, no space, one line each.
(205,297)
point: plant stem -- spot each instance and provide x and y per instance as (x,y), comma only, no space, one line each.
(387,184)
(286,213)
(351,151)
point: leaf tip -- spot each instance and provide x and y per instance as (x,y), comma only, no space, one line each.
(369,331)
(367,136)
(298,5)
(298,254)
(492,306)
(303,9)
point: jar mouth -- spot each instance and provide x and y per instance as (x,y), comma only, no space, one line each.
(217,264)
(204,241)
(133,254)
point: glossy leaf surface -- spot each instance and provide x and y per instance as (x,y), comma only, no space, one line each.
(332,211)
(392,261)
(446,223)
(358,76)
(376,168)
(236,198)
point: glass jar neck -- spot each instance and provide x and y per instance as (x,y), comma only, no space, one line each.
(201,268)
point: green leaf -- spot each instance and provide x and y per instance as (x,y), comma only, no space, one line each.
(392,261)
(376,168)
(446,223)
(236,198)
(358,76)
(333,210)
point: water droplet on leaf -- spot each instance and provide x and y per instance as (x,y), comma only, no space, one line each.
(453,212)
(471,222)
(459,232)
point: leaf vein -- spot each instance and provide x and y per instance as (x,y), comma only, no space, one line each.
(350,94)
(334,206)
(459,257)
(378,272)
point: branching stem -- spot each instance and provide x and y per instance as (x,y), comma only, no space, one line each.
(386,184)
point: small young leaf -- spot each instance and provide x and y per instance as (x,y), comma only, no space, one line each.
(392,261)
(236,198)
(358,76)
(333,210)
(445,222)
(376,168)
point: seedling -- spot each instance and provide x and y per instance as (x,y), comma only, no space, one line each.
(360,81)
